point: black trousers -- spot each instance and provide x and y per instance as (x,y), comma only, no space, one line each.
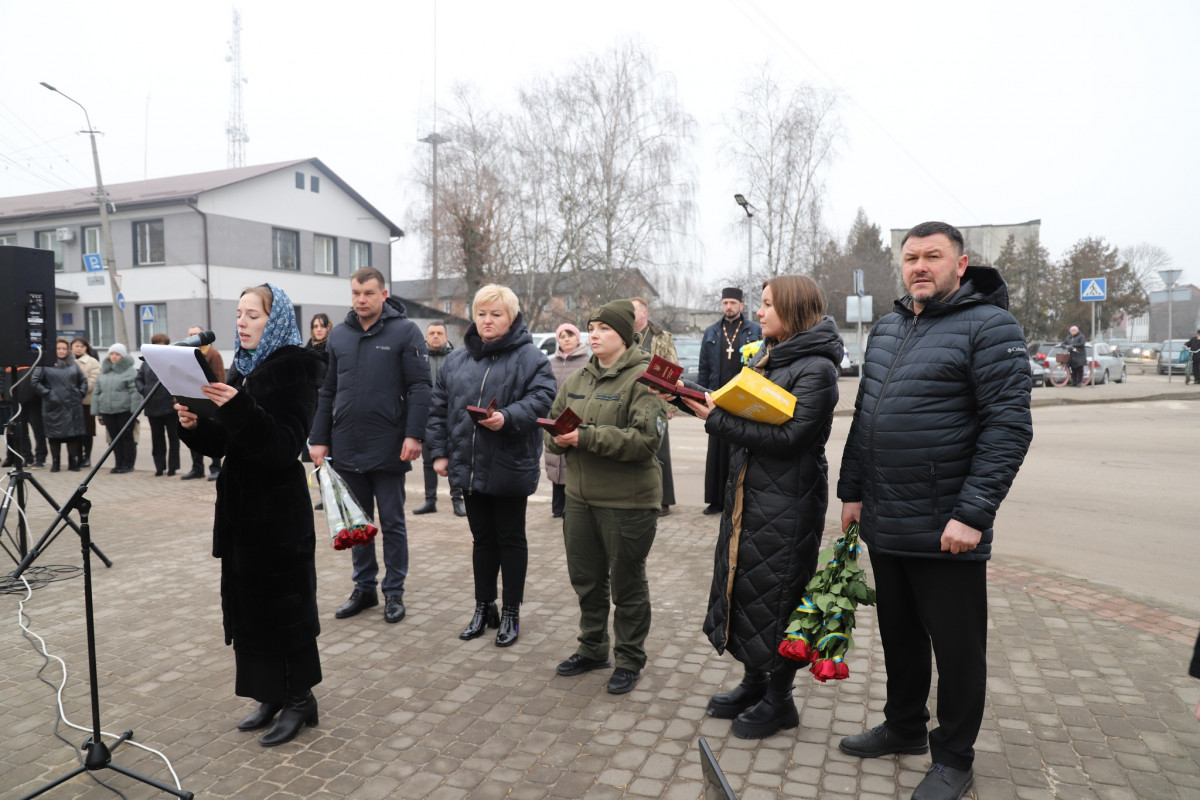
(164,431)
(934,604)
(125,453)
(668,477)
(498,529)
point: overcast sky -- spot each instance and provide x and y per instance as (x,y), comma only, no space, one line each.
(1085,115)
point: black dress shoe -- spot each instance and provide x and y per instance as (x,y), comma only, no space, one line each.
(428,507)
(622,680)
(662,512)
(944,783)
(158,473)
(213,474)
(393,609)
(577,665)
(485,616)
(510,619)
(713,510)
(260,718)
(880,741)
(297,712)
(357,602)
(170,473)
(460,508)
(191,475)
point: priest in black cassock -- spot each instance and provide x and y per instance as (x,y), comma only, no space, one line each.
(720,360)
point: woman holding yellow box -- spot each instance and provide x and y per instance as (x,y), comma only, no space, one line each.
(775,505)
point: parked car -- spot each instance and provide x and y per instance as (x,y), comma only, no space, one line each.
(1103,364)
(851,361)
(1120,346)
(547,342)
(1041,375)
(687,348)
(1168,356)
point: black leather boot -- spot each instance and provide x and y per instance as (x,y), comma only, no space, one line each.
(485,616)
(728,705)
(428,507)
(775,711)
(54,465)
(510,619)
(297,712)
(260,718)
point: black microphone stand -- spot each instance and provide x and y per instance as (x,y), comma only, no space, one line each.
(98,755)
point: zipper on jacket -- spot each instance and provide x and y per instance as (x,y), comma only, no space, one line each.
(883,389)
(937,515)
(475,425)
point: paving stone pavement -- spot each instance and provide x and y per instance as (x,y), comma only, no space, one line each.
(1087,691)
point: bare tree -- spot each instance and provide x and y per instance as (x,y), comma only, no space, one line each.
(472,195)
(1145,260)
(782,140)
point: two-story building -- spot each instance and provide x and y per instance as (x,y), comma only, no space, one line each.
(186,246)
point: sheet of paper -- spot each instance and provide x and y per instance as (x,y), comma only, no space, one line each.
(177,368)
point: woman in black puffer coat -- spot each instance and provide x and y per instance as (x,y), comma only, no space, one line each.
(494,462)
(62,388)
(775,505)
(263,531)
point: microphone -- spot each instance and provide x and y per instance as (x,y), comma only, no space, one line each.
(199,340)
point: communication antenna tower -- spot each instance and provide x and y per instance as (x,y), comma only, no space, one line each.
(235,128)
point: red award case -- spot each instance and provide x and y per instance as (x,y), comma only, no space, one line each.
(567,421)
(662,376)
(480,414)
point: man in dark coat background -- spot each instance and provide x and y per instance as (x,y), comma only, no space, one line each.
(941,426)
(439,348)
(720,360)
(378,380)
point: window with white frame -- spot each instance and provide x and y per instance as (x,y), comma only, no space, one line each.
(152,319)
(9,239)
(148,242)
(100,326)
(285,249)
(48,240)
(91,241)
(360,256)
(324,255)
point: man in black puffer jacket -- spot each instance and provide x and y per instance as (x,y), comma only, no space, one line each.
(370,421)
(941,426)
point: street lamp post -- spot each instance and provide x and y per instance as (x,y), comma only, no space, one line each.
(434,139)
(119,331)
(749,209)
(1169,276)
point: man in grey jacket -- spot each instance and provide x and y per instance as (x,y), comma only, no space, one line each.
(941,426)
(378,384)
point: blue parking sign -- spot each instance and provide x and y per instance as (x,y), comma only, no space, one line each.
(92,262)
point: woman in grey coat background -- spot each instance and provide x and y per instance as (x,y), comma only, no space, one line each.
(570,356)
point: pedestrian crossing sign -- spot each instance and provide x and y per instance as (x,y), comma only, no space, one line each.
(1093,289)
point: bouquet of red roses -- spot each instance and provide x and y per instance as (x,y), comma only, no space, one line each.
(818,631)
(348,525)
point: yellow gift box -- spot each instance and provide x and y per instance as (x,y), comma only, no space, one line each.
(752,396)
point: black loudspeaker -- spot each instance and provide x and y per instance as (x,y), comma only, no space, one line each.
(27,312)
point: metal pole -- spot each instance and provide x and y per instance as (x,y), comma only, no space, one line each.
(750,251)
(120,332)
(434,139)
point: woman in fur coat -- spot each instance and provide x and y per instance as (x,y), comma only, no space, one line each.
(263,532)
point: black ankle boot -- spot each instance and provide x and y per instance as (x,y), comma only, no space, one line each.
(54,465)
(485,616)
(510,619)
(728,705)
(776,710)
(260,718)
(297,712)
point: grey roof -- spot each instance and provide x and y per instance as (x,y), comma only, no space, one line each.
(162,191)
